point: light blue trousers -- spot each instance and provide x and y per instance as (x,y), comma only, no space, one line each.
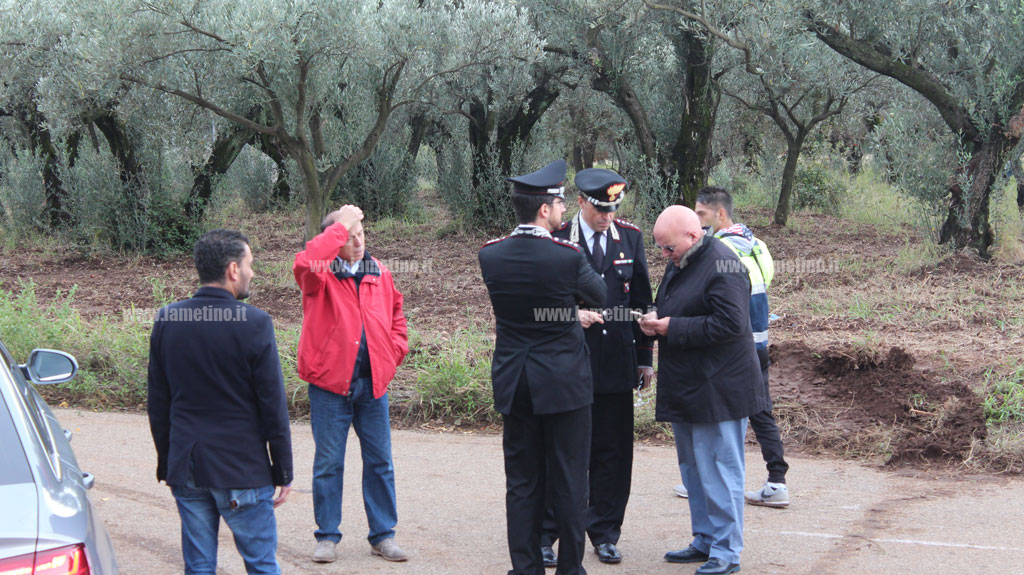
(712,465)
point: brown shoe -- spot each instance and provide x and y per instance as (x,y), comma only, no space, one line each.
(389,550)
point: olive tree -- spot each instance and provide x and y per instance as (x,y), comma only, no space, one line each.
(964,59)
(318,79)
(659,72)
(25,48)
(776,69)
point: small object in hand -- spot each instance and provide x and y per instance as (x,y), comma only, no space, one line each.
(641,399)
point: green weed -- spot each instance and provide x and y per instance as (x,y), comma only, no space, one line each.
(453,376)
(1007,223)
(1004,396)
(112,351)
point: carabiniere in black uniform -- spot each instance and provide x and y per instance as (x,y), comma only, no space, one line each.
(541,377)
(617,349)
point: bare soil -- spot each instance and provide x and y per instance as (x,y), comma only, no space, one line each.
(869,361)
(864,394)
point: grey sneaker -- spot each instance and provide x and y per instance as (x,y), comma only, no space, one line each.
(680,490)
(324,552)
(389,550)
(771,495)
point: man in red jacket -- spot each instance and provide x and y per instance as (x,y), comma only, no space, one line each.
(353,339)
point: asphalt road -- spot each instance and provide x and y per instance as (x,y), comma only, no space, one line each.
(845,518)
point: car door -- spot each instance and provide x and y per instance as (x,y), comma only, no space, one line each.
(65,513)
(18,498)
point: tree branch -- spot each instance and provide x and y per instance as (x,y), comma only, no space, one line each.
(878,60)
(184,51)
(300,101)
(275,102)
(729,40)
(384,110)
(208,34)
(203,103)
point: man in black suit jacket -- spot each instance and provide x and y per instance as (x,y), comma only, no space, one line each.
(620,355)
(709,381)
(216,405)
(541,370)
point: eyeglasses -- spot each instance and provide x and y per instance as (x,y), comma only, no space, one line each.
(669,249)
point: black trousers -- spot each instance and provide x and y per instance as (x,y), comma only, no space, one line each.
(611,471)
(767,433)
(545,454)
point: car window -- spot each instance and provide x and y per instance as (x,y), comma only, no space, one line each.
(13,463)
(29,399)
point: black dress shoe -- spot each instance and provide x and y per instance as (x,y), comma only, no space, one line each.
(716,566)
(607,553)
(688,555)
(550,559)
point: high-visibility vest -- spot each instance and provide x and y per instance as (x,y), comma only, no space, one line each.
(761,270)
(758,261)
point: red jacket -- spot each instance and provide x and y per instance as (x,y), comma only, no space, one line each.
(334,314)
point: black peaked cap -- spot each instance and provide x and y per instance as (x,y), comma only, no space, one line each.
(603,188)
(548,180)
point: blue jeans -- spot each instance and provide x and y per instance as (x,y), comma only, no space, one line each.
(711,459)
(249,514)
(331,415)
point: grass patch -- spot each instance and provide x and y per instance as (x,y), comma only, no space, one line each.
(276,273)
(644,424)
(915,256)
(873,201)
(1004,397)
(112,351)
(1002,451)
(452,376)
(1007,224)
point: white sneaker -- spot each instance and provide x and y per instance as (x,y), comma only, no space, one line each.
(771,495)
(324,552)
(389,550)
(680,491)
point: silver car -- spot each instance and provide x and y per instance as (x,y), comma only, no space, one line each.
(47,524)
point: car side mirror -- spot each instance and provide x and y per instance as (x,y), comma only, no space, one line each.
(46,366)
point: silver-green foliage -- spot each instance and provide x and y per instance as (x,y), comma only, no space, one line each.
(972,48)
(328,74)
(133,215)
(382,185)
(251,177)
(22,195)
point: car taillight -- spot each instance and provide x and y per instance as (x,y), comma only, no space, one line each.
(68,560)
(20,565)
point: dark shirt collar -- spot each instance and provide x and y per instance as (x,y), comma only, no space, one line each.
(362,267)
(213,291)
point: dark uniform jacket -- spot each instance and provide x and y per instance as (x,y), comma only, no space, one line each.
(618,346)
(216,400)
(708,370)
(535,282)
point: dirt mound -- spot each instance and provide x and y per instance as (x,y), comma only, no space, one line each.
(854,400)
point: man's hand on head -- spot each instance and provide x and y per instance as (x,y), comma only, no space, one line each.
(348,215)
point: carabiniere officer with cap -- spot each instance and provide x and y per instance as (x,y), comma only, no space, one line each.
(620,354)
(541,370)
